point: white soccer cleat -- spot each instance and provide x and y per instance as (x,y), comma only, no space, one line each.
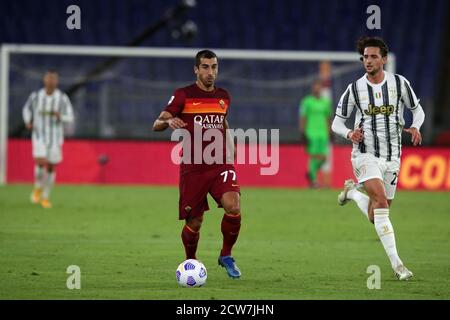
(342,197)
(402,273)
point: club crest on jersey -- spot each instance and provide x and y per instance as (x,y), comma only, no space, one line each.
(222,103)
(374,110)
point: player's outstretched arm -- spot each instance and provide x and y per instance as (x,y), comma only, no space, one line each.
(416,137)
(161,123)
(301,128)
(339,127)
(412,103)
(414,130)
(166,120)
(66,115)
(27,113)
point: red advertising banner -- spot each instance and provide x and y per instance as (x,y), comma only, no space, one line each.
(139,162)
(425,168)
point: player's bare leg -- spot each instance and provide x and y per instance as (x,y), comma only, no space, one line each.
(383,226)
(39,175)
(231,224)
(48,184)
(190,235)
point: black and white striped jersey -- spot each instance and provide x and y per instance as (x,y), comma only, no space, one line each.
(379,111)
(40,110)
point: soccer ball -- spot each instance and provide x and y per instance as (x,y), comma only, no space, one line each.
(191,273)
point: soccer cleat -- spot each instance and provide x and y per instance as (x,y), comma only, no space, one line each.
(312,184)
(342,197)
(36,195)
(228,263)
(402,273)
(45,203)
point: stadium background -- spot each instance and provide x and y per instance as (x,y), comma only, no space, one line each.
(115,109)
(295,243)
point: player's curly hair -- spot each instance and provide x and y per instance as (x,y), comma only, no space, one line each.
(208,54)
(365,42)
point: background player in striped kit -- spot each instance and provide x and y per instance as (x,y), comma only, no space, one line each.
(44,114)
(379,98)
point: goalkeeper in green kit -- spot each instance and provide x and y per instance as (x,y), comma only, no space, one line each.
(315,121)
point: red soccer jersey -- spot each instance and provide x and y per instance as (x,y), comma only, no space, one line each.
(202,108)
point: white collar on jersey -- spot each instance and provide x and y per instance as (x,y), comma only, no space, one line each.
(376,84)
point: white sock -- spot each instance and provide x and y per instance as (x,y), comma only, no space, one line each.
(385,231)
(361,200)
(48,184)
(38,176)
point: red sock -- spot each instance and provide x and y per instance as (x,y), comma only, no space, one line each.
(230,230)
(190,241)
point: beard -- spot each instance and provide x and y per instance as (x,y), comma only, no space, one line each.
(373,72)
(207,82)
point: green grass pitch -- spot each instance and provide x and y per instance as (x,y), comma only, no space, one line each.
(294,244)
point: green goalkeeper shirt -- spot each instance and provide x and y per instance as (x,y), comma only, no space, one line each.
(317,112)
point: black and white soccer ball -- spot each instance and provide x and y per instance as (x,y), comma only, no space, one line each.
(191,273)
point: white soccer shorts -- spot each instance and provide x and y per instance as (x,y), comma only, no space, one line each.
(366,166)
(52,154)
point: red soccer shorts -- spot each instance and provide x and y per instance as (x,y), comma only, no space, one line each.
(195,186)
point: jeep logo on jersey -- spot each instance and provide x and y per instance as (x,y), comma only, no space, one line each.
(373,110)
(210,121)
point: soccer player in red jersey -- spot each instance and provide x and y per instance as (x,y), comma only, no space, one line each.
(204,106)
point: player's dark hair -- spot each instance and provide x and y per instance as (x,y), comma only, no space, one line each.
(207,54)
(51,71)
(365,42)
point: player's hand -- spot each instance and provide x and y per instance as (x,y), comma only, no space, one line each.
(57,115)
(356,136)
(416,137)
(176,123)
(29,126)
(332,138)
(302,136)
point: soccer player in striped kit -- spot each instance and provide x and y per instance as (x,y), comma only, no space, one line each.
(45,113)
(379,98)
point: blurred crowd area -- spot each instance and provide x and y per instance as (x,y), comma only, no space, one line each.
(123,99)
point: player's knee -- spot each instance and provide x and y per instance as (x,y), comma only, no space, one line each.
(380,201)
(231,203)
(382,204)
(233,208)
(41,162)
